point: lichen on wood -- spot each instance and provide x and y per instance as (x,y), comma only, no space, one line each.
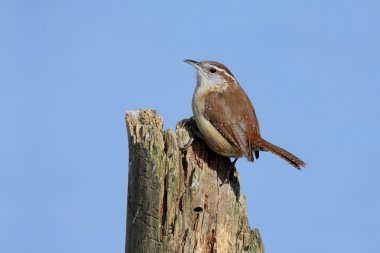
(176,199)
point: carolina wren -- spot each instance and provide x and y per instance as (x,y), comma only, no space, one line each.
(226,118)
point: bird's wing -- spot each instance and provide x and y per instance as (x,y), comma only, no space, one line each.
(232,114)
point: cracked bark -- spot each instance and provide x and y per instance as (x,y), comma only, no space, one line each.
(176,202)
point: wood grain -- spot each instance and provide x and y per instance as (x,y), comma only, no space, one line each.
(176,202)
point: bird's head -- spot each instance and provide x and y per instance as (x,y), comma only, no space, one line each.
(211,73)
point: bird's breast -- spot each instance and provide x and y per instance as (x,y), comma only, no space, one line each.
(214,139)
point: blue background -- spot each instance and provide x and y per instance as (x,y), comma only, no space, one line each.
(70,70)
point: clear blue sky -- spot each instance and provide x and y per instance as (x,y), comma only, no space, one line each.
(70,69)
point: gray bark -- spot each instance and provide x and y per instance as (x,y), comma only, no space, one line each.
(176,202)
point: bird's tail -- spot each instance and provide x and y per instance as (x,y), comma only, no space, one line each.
(287,156)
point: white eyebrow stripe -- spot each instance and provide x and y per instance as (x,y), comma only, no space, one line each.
(225,72)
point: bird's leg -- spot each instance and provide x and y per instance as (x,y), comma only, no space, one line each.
(231,171)
(187,145)
(233,162)
(194,131)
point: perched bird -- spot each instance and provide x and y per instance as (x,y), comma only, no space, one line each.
(226,118)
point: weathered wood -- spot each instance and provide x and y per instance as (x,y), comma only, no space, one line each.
(176,202)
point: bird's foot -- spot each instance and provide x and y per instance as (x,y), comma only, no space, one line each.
(194,132)
(187,145)
(231,171)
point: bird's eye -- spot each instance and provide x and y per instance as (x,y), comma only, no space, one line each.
(212,70)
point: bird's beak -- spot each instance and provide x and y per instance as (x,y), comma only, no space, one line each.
(194,63)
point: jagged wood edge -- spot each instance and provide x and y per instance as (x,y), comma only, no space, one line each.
(162,195)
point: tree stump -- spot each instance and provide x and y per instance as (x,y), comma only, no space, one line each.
(176,200)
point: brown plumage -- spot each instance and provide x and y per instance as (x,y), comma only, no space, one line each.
(239,123)
(226,117)
(287,156)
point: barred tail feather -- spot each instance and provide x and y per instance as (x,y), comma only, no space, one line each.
(287,156)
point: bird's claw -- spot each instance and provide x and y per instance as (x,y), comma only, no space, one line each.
(231,171)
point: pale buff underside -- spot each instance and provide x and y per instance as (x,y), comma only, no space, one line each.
(214,139)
